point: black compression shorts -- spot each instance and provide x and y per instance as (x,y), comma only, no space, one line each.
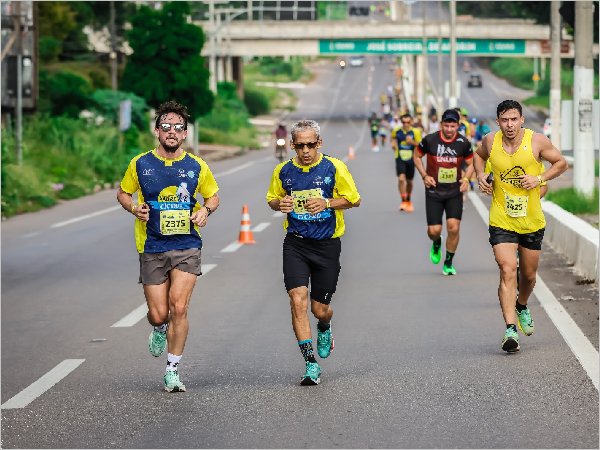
(405,167)
(435,208)
(531,241)
(315,260)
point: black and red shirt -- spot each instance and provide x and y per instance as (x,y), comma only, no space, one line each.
(444,162)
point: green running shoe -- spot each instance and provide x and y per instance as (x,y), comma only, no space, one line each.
(449,270)
(525,321)
(324,342)
(312,376)
(172,383)
(436,255)
(510,343)
(157,343)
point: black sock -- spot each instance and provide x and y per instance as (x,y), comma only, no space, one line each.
(438,242)
(513,326)
(408,197)
(307,350)
(449,256)
(323,326)
(520,307)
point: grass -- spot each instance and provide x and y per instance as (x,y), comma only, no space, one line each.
(575,203)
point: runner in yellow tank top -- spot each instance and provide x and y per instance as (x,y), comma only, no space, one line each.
(516,218)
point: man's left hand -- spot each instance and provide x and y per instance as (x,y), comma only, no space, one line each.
(315,205)
(529,182)
(199,217)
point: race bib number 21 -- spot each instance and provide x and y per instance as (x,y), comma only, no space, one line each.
(300,198)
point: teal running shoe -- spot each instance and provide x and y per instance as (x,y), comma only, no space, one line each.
(436,253)
(324,342)
(172,383)
(312,376)
(157,343)
(525,321)
(510,343)
(449,270)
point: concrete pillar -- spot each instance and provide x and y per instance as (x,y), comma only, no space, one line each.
(420,80)
(250,11)
(238,75)
(555,105)
(212,66)
(228,68)
(583,95)
(220,59)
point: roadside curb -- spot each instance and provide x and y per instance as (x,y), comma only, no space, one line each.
(573,237)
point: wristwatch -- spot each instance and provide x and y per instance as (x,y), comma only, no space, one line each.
(327,203)
(208,209)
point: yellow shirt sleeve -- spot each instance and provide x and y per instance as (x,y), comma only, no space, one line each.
(276,190)
(488,166)
(344,183)
(130,183)
(207,185)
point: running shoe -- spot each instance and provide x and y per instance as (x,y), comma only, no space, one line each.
(402,206)
(525,322)
(409,207)
(324,342)
(312,376)
(157,343)
(449,270)
(172,383)
(510,343)
(436,254)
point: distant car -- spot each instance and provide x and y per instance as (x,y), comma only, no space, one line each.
(356,61)
(547,127)
(475,80)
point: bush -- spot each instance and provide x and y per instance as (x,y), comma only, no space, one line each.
(65,93)
(107,104)
(573,202)
(49,48)
(256,102)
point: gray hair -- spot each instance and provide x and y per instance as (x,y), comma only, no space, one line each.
(305,125)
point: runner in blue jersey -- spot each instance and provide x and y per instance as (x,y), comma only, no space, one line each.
(313,189)
(176,194)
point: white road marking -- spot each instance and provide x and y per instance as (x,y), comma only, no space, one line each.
(30,235)
(234,169)
(87,216)
(232,247)
(34,390)
(140,312)
(579,344)
(279,214)
(260,227)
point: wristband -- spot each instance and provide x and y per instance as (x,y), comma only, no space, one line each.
(132,208)
(208,209)
(539,177)
(465,178)
(327,203)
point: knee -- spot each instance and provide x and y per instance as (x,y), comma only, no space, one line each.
(318,309)
(158,317)
(298,303)
(178,309)
(527,277)
(508,271)
(453,229)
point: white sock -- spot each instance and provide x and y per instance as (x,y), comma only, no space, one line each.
(172,362)
(162,328)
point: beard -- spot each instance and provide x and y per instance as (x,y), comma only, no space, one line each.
(170,148)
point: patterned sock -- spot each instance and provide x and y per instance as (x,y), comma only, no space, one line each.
(172,362)
(437,243)
(307,350)
(162,328)
(449,256)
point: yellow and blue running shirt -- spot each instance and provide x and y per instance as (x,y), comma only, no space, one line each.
(169,186)
(327,178)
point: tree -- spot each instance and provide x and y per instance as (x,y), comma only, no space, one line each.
(166,62)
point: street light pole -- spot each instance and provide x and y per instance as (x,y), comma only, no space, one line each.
(452,101)
(555,74)
(423,99)
(439,61)
(113,48)
(212,63)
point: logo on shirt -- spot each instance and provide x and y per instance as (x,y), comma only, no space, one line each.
(182,193)
(511,176)
(182,173)
(446,154)
(327,180)
(191,174)
(148,172)
(318,180)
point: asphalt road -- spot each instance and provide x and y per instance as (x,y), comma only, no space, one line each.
(417,361)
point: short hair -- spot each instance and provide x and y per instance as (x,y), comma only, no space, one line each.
(406,116)
(507,105)
(457,110)
(172,107)
(305,125)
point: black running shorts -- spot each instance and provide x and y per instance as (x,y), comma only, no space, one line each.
(405,167)
(531,241)
(435,208)
(315,260)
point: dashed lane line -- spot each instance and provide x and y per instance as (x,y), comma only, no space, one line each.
(37,388)
(579,344)
(260,227)
(232,247)
(140,312)
(87,216)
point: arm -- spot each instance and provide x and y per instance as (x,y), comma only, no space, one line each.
(316,205)
(285,204)
(141,212)
(480,158)
(551,154)
(428,180)
(200,217)
(466,176)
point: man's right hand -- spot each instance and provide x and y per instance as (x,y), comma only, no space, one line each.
(429,181)
(286,204)
(484,186)
(142,212)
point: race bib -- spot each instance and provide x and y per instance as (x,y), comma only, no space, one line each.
(406,155)
(300,198)
(447,175)
(175,222)
(374,127)
(515,205)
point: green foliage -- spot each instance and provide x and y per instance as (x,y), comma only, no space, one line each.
(166,62)
(56,19)
(256,102)
(574,202)
(244,137)
(229,112)
(107,104)
(337,10)
(275,66)
(64,93)
(49,49)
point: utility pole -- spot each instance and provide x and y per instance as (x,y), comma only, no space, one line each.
(555,74)
(424,72)
(212,66)
(583,95)
(439,61)
(19,109)
(113,48)
(452,101)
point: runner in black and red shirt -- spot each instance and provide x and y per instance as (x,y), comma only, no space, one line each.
(444,184)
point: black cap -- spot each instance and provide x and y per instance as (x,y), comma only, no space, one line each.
(450,114)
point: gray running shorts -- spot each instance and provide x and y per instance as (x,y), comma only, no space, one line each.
(155,267)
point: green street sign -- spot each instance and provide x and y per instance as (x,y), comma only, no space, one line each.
(415,46)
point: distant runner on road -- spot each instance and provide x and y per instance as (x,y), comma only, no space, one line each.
(517,222)
(445,183)
(168,217)
(313,189)
(407,138)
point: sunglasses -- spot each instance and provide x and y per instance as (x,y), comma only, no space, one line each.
(178,127)
(406,121)
(310,145)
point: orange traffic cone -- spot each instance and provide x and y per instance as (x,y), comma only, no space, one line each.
(245,232)
(351,152)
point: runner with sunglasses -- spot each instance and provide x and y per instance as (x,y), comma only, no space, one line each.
(168,217)
(313,189)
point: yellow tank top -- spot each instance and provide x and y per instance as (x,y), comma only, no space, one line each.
(513,207)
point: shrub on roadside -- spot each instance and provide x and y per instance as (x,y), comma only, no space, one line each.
(569,200)
(256,102)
